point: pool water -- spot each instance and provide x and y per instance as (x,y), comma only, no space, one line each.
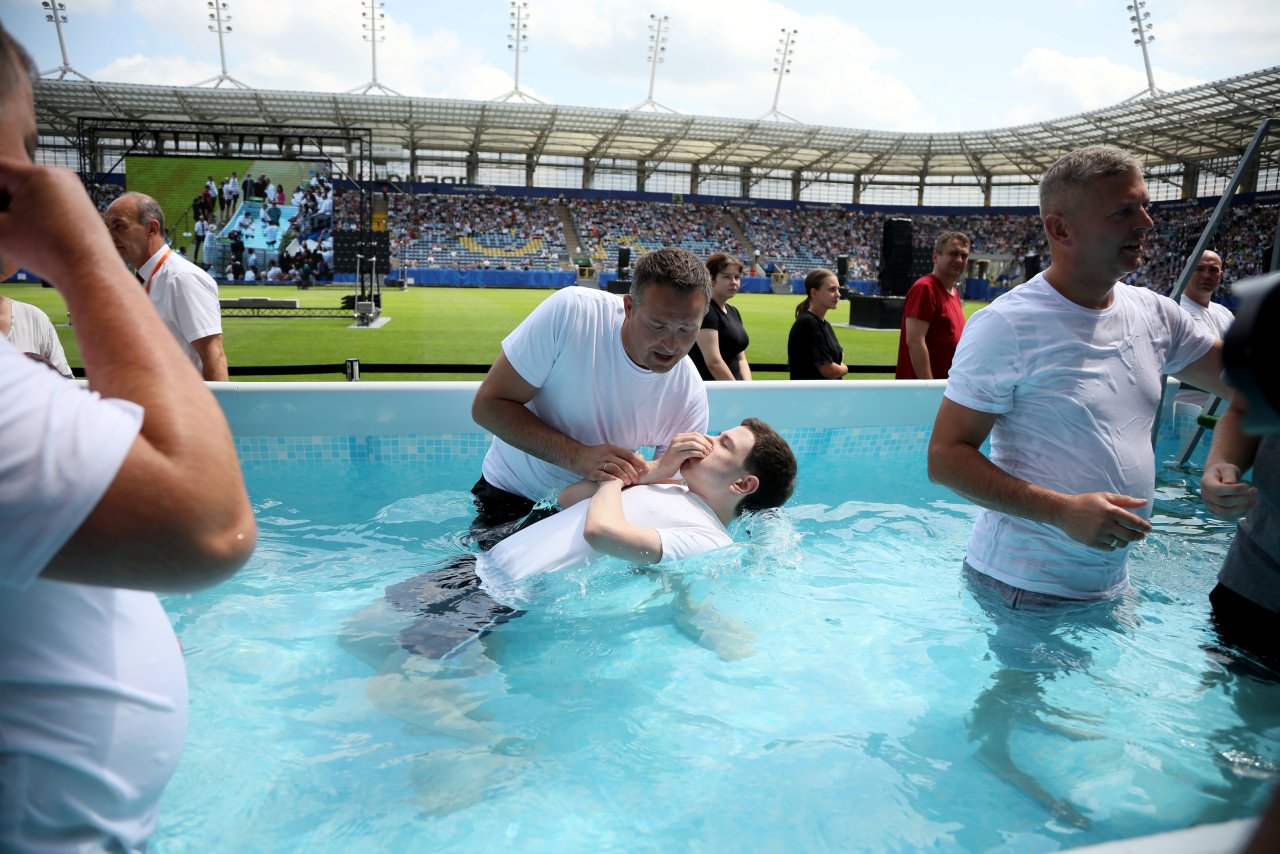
(833,686)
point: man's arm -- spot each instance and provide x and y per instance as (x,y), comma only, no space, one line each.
(499,408)
(917,350)
(1100,520)
(608,531)
(1206,373)
(709,344)
(212,356)
(1230,456)
(177,515)
(833,370)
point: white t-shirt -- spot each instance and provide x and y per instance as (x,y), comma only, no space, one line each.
(93,695)
(186,298)
(32,332)
(1216,319)
(1075,391)
(570,349)
(685,523)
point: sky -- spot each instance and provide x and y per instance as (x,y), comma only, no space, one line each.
(923,66)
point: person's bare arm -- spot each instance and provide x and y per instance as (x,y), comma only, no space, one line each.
(499,408)
(1230,456)
(575,492)
(212,357)
(833,370)
(743,368)
(1206,373)
(177,515)
(608,531)
(709,344)
(917,350)
(1100,520)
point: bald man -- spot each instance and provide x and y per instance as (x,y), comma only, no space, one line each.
(185,295)
(1214,318)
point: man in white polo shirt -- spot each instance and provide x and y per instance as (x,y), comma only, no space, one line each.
(185,295)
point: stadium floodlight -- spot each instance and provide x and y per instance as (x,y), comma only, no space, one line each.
(56,16)
(517,43)
(782,67)
(1142,30)
(374,25)
(220,23)
(658,30)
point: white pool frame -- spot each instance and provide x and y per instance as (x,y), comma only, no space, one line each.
(387,421)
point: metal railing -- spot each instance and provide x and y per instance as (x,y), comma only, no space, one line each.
(1248,159)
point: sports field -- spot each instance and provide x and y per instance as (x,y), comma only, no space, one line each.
(451,326)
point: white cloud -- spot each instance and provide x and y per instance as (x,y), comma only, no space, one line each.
(164,70)
(1052,85)
(720,58)
(1220,38)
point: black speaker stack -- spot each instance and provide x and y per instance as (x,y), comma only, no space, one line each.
(896,257)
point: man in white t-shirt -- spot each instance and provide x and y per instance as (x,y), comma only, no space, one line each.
(185,295)
(658,520)
(589,379)
(99,506)
(1214,317)
(30,331)
(1064,375)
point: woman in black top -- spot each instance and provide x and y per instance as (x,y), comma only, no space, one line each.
(813,352)
(720,352)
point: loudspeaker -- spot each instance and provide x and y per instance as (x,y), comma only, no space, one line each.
(624,262)
(895,283)
(842,269)
(895,251)
(373,245)
(1031,266)
(921,261)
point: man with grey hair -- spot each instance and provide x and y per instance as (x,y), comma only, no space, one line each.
(587,380)
(1064,375)
(185,295)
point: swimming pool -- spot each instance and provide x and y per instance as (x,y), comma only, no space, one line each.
(841,689)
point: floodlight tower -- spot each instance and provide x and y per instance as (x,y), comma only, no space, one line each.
(1142,30)
(782,67)
(517,42)
(374,24)
(657,47)
(56,16)
(220,23)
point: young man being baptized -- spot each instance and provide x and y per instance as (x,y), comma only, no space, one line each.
(746,468)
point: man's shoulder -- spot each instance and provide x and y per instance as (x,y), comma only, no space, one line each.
(183,266)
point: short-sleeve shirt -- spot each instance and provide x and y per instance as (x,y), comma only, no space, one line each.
(685,523)
(929,301)
(570,349)
(1214,318)
(186,298)
(93,694)
(1075,393)
(812,343)
(732,338)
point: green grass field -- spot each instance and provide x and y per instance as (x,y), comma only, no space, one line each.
(451,325)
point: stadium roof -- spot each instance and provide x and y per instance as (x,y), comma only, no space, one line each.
(1216,120)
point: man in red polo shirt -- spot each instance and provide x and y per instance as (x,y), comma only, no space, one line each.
(933,317)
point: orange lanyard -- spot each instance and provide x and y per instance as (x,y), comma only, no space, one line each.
(159,264)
